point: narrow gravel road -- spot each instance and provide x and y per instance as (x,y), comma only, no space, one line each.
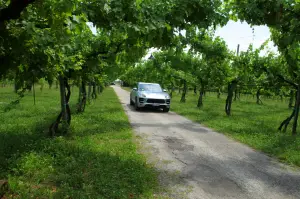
(195,162)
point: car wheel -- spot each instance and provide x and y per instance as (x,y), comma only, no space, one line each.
(136,105)
(131,102)
(165,109)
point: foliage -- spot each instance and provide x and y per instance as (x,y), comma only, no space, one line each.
(281,17)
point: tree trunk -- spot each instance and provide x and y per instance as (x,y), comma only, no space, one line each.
(200,100)
(231,87)
(65,115)
(172,89)
(297,104)
(183,92)
(258,100)
(56,84)
(286,122)
(63,100)
(16,83)
(79,94)
(195,90)
(294,115)
(94,92)
(19,83)
(33,92)
(235,94)
(82,102)
(99,89)
(219,93)
(89,91)
(292,97)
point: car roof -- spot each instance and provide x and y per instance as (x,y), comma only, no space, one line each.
(147,83)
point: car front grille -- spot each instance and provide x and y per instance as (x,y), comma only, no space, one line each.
(141,100)
(159,101)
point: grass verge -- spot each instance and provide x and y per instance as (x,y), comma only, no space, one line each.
(252,124)
(98,159)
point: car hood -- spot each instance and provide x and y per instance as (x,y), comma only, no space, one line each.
(152,95)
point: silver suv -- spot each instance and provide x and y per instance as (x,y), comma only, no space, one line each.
(150,95)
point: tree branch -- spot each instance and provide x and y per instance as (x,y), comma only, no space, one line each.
(282,78)
(287,81)
(14,9)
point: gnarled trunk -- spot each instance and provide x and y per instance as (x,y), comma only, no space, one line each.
(65,115)
(292,97)
(200,100)
(286,122)
(297,104)
(33,91)
(82,98)
(63,99)
(294,115)
(99,89)
(172,89)
(258,100)
(184,92)
(94,93)
(231,87)
(219,93)
(235,94)
(89,91)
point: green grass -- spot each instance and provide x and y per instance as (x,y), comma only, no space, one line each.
(252,124)
(98,159)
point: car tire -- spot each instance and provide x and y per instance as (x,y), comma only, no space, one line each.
(166,109)
(131,102)
(136,105)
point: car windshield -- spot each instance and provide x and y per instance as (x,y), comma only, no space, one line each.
(150,87)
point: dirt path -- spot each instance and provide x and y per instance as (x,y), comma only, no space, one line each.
(196,162)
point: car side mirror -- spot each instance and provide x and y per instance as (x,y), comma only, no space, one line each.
(135,89)
(164,90)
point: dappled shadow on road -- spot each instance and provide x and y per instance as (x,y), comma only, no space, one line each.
(241,174)
(255,175)
(145,110)
(187,126)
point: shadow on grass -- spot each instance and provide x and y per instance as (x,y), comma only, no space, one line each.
(42,167)
(67,170)
(18,141)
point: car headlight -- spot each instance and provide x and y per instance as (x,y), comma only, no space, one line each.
(143,95)
(167,97)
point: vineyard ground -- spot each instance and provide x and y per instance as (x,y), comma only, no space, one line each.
(98,159)
(251,124)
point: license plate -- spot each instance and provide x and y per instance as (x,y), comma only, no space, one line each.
(155,104)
